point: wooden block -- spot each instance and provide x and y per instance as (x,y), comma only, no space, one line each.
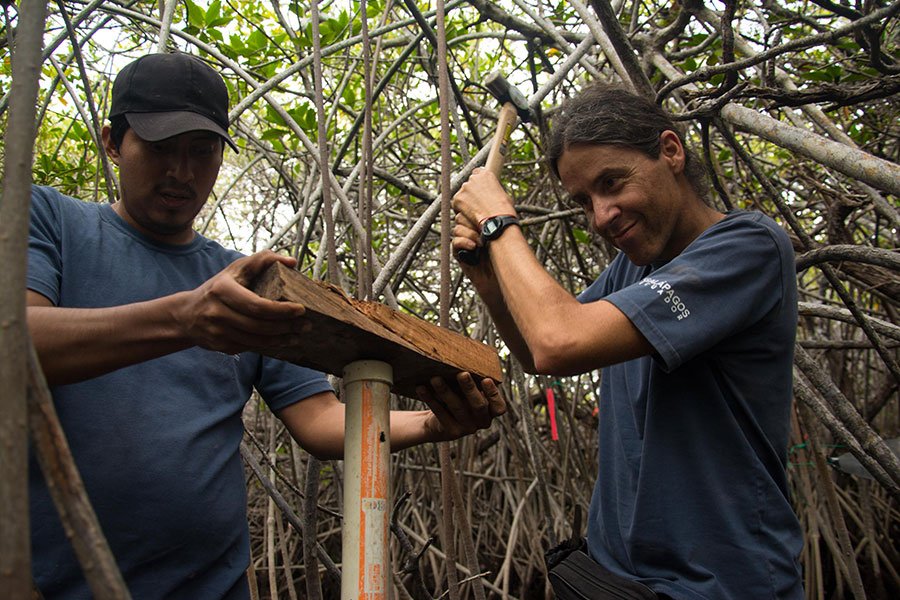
(345,330)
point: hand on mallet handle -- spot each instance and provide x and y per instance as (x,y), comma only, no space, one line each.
(480,197)
(513,107)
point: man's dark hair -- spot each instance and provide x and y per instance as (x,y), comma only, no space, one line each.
(605,114)
(118,126)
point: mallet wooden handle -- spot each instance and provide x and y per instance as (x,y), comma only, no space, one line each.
(506,122)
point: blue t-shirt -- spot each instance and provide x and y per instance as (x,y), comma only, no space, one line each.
(157,443)
(691,497)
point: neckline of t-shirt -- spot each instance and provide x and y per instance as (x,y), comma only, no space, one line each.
(112,217)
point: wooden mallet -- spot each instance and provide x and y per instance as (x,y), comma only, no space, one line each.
(514,107)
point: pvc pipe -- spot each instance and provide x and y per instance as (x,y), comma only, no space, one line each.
(365,569)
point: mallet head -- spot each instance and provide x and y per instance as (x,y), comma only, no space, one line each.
(505,92)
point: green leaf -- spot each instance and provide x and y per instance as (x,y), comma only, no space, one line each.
(298,114)
(820,75)
(310,122)
(696,39)
(195,15)
(343,19)
(274,133)
(269,69)
(257,41)
(79,131)
(581,236)
(214,12)
(273,117)
(349,95)
(847,44)
(236,42)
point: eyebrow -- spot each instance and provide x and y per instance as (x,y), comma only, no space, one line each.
(617,171)
(614,170)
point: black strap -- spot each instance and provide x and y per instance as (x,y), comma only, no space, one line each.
(579,577)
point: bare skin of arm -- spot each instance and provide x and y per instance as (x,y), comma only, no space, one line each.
(488,288)
(75,344)
(317,423)
(564,336)
(547,329)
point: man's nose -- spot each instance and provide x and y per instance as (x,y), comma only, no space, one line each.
(603,213)
(180,166)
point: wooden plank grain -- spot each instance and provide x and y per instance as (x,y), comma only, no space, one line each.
(345,330)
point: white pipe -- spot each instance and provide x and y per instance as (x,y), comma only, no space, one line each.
(365,569)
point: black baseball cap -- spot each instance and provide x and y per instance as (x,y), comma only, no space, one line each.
(164,95)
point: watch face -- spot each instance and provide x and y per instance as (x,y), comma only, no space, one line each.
(491,226)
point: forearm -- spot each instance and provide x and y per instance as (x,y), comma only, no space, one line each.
(493,299)
(534,299)
(221,314)
(407,429)
(317,424)
(510,276)
(75,344)
(410,428)
(546,315)
(565,337)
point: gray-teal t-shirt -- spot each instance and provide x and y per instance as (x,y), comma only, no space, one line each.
(156,443)
(691,497)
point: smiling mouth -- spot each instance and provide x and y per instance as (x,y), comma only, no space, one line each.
(621,233)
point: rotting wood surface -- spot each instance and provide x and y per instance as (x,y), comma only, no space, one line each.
(345,330)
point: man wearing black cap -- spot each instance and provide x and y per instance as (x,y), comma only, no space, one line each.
(142,327)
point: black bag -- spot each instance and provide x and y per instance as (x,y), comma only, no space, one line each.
(576,576)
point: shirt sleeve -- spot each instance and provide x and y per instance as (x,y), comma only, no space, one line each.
(728,279)
(44,246)
(282,383)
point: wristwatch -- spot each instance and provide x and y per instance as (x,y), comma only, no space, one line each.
(492,227)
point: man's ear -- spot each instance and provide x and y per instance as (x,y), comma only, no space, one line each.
(111,151)
(672,151)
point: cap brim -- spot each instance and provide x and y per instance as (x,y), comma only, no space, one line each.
(157,126)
